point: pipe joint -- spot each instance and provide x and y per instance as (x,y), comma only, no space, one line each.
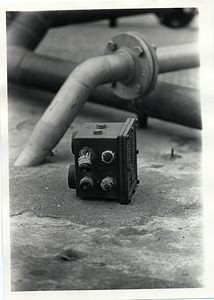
(132,63)
(142,58)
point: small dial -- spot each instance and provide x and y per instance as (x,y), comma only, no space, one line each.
(107,156)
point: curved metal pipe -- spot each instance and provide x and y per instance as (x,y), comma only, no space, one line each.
(68,101)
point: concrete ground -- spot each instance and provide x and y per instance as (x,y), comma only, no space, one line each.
(61,242)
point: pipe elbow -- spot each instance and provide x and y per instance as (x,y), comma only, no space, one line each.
(103,69)
(29,28)
(67,103)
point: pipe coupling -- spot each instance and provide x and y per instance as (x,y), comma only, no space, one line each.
(145,67)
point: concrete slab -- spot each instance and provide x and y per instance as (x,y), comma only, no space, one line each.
(61,242)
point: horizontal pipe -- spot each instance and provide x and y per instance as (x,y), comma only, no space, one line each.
(33,69)
(169,102)
(69,100)
(64,17)
(173,103)
(175,58)
(28,28)
(63,109)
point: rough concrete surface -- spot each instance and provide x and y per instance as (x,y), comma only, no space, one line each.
(61,242)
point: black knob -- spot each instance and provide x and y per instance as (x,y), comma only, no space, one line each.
(86,183)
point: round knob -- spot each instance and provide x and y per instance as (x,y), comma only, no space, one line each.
(107,156)
(86,183)
(108,184)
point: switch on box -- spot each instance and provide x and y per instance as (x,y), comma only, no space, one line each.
(105,161)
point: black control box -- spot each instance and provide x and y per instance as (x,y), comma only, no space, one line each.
(105,161)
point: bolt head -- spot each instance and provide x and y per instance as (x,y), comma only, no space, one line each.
(97,131)
(137,88)
(112,46)
(154,47)
(101,126)
(139,50)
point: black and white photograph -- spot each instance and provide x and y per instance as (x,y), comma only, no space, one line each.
(106,178)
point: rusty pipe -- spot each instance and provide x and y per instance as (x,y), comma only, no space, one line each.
(68,101)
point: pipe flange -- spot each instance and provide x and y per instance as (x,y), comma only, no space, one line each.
(145,65)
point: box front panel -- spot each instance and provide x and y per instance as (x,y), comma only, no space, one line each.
(104,168)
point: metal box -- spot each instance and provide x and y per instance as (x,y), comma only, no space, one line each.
(105,161)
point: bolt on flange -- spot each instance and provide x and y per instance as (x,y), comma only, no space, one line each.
(139,50)
(112,46)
